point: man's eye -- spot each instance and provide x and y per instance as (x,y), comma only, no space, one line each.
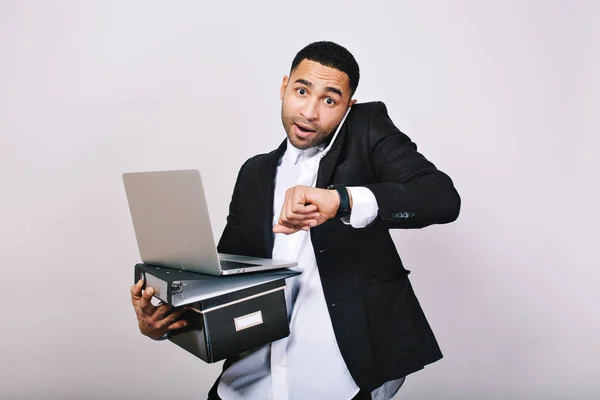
(329,101)
(301,91)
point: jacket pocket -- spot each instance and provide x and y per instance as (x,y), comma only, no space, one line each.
(390,317)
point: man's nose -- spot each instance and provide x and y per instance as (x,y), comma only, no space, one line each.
(310,110)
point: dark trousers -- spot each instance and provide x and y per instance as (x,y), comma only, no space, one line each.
(362,395)
(213,395)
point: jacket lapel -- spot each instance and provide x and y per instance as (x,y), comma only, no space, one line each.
(265,181)
(328,163)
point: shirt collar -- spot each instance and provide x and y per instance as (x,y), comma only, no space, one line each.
(294,155)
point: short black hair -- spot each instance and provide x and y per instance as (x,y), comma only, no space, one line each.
(331,55)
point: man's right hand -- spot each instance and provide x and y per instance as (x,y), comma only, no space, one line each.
(154,321)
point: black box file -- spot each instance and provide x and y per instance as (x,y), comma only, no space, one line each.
(228,315)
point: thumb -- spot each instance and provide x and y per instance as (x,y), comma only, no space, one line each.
(136,290)
(284,229)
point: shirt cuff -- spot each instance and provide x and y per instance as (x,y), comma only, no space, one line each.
(364,208)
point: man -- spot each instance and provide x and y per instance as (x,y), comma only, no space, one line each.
(327,198)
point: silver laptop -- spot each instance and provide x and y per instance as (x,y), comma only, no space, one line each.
(172,225)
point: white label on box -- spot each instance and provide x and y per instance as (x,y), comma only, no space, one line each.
(248,321)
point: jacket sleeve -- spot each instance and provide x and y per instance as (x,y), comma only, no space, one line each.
(410,191)
(233,240)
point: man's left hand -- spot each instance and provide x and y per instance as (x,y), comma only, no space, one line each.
(305,207)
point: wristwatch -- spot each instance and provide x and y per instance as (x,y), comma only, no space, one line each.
(344,208)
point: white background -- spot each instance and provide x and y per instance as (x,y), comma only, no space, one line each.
(503,96)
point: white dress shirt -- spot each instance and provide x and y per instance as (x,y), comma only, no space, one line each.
(307,364)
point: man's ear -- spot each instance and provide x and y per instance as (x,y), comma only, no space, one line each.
(352,103)
(283,86)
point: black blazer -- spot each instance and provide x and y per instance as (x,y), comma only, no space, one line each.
(380,328)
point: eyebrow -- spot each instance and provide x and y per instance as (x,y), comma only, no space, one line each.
(327,88)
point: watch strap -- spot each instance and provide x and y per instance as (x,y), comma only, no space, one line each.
(344,207)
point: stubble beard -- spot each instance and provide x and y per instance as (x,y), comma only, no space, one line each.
(319,137)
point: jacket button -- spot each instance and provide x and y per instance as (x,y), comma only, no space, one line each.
(402,215)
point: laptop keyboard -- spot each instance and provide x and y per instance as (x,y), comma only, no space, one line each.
(227,265)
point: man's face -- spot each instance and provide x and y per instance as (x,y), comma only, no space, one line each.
(314,100)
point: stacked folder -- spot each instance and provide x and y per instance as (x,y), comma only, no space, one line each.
(228,315)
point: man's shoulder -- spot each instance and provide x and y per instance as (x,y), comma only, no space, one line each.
(371,118)
(363,115)
(258,160)
(368,108)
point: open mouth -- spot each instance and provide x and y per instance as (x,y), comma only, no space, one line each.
(304,129)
